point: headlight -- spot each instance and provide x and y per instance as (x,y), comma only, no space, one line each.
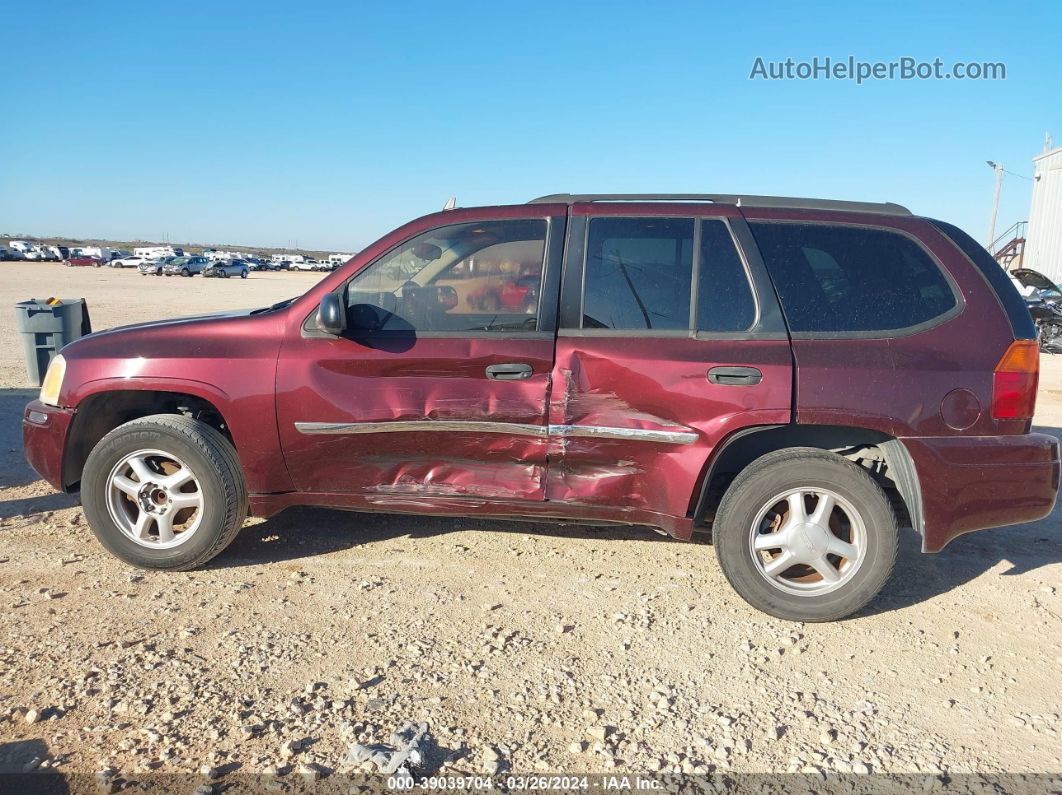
(53,381)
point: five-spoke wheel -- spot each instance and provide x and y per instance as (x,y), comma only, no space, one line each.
(808,541)
(155,499)
(164,492)
(805,534)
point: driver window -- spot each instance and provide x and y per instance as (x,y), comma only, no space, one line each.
(483,276)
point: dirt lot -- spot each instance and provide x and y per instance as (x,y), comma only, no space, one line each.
(524,647)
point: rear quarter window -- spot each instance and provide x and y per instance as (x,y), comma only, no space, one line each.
(1021,321)
(848,279)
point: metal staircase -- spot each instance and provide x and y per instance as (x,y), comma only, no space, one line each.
(1010,254)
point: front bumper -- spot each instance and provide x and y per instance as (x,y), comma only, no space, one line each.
(44,432)
(975,482)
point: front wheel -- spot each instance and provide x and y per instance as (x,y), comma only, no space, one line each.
(243,274)
(164,492)
(185,272)
(805,535)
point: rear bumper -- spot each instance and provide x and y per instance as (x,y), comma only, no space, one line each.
(44,431)
(975,482)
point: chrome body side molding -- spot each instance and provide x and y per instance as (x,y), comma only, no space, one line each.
(518,429)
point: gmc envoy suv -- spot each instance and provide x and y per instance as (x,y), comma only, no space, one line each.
(797,377)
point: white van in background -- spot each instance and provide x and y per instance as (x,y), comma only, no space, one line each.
(105,253)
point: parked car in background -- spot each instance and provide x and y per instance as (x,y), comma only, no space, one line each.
(223,269)
(301,264)
(11,254)
(185,266)
(154,266)
(519,294)
(83,261)
(1044,300)
(154,252)
(104,253)
(132,261)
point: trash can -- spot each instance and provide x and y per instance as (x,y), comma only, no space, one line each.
(46,326)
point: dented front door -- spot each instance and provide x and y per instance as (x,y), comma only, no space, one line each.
(421,411)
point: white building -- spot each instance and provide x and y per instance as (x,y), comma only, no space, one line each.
(1043,241)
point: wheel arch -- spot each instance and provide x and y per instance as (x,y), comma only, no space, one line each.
(884,456)
(101,412)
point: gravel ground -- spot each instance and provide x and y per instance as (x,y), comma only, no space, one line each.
(523,647)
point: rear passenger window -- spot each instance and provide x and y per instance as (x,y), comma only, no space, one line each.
(850,278)
(724,296)
(638,273)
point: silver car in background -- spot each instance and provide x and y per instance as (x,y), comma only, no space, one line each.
(223,269)
(185,266)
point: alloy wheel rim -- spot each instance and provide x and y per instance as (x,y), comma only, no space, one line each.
(154,499)
(808,541)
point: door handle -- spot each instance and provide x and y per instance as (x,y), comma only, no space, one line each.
(512,371)
(735,376)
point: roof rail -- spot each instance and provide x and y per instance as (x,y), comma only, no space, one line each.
(786,202)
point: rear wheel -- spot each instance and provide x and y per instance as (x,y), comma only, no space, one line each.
(805,535)
(164,492)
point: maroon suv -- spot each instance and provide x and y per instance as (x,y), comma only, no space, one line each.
(799,377)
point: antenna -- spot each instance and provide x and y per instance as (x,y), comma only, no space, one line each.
(450,203)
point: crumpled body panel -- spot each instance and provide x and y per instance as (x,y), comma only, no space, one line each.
(653,384)
(421,419)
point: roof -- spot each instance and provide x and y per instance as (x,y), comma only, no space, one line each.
(739,200)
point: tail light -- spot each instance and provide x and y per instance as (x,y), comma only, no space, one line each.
(1014,382)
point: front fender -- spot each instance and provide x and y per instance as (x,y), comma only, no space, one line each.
(249,414)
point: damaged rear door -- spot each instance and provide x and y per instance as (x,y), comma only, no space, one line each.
(439,388)
(670,339)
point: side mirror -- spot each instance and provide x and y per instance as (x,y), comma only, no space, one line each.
(332,315)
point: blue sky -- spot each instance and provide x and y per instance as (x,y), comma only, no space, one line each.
(330,123)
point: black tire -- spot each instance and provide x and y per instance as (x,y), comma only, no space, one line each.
(803,467)
(185,272)
(243,274)
(206,452)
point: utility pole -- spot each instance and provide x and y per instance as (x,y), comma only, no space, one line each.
(998,167)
